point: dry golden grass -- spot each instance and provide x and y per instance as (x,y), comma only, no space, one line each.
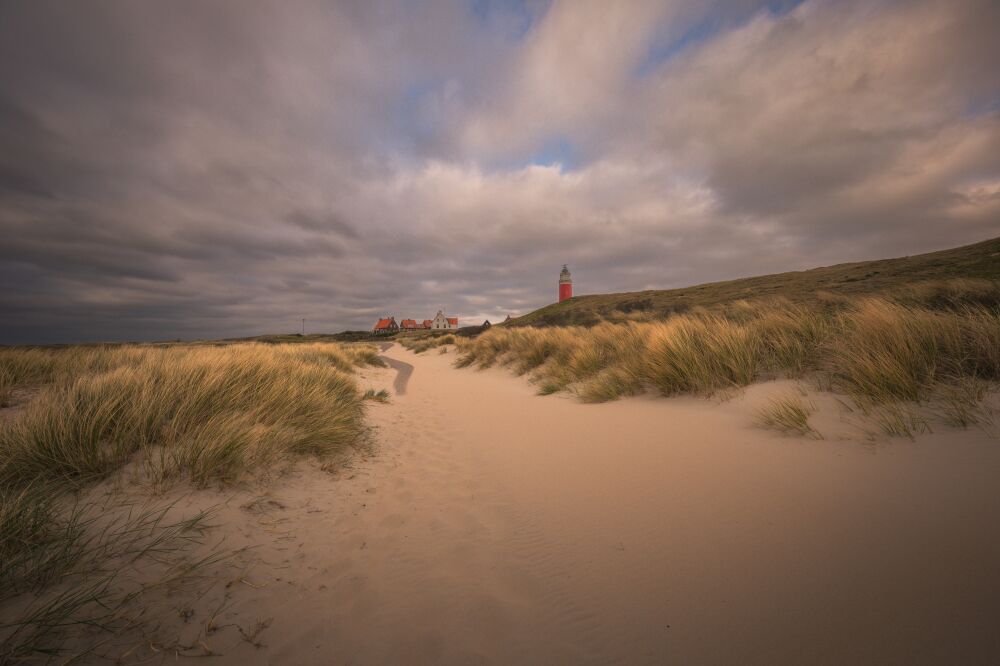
(899,419)
(962,404)
(75,563)
(955,278)
(877,350)
(421,343)
(201,413)
(790,415)
(376,396)
(6,387)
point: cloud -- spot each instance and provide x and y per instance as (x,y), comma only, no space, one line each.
(189,170)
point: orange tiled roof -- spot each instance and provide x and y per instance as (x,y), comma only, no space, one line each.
(453,321)
(383,323)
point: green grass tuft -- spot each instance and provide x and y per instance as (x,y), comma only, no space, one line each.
(377,396)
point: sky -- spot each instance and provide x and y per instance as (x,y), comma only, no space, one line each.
(183,169)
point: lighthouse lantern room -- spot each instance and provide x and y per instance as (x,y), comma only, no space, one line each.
(565,284)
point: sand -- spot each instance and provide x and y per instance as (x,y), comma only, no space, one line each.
(490,525)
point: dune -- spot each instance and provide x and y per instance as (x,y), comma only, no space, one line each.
(491,525)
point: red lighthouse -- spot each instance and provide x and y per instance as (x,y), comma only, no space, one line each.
(565,284)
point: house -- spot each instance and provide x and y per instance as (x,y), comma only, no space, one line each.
(386,326)
(442,322)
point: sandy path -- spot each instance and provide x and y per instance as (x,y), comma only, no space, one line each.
(495,526)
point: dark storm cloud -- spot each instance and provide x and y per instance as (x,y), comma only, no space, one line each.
(198,169)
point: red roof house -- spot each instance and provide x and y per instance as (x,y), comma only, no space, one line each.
(385,326)
(409,325)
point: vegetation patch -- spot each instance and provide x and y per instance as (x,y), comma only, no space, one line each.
(954,278)
(790,415)
(376,396)
(6,387)
(68,566)
(201,412)
(899,420)
(196,413)
(912,346)
(421,343)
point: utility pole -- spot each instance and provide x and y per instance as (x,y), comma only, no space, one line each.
(303,326)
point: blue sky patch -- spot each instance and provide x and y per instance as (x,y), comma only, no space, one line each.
(514,15)
(556,150)
(670,44)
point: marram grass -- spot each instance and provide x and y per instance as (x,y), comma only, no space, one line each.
(203,413)
(75,567)
(421,343)
(877,350)
(788,414)
(380,395)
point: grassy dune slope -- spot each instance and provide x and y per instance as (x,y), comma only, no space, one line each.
(894,359)
(900,337)
(198,414)
(978,261)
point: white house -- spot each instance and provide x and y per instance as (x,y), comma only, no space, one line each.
(442,322)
